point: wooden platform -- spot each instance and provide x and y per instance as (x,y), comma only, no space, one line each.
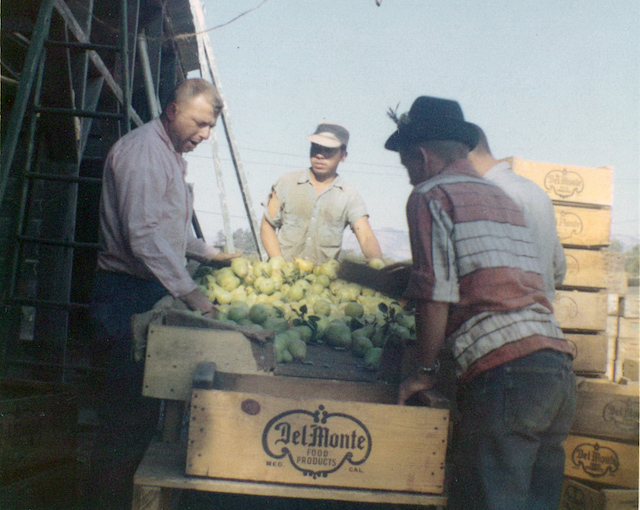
(163,467)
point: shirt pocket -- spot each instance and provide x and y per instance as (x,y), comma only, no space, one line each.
(330,235)
(293,231)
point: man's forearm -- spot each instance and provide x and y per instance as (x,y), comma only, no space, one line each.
(371,248)
(431,324)
(269,239)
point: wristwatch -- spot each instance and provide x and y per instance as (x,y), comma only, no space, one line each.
(430,371)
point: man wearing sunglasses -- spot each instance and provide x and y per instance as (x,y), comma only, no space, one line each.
(308,210)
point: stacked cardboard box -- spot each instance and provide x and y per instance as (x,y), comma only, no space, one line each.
(601,469)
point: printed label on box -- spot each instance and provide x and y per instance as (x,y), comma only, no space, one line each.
(564,183)
(595,460)
(317,443)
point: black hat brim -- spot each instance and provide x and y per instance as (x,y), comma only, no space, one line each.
(459,131)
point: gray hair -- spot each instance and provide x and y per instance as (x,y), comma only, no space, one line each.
(447,150)
(194,87)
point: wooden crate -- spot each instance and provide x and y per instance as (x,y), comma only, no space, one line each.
(627,351)
(607,410)
(590,353)
(583,226)
(628,329)
(568,183)
(576,310)
(38,423)
(601,461)
(317,442)
(579,496)
(617,279)
(629,305)
(585,268)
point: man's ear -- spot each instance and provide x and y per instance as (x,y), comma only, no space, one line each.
(171,111)
(344,156)
(425,157)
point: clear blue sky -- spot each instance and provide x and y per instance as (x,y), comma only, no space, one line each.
(548,81)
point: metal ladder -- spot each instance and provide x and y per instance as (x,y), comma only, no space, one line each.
(36,291)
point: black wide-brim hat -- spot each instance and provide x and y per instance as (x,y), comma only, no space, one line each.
(432,118)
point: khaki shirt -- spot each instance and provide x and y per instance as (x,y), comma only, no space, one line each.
(310,226)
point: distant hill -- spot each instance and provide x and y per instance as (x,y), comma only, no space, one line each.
(394,243)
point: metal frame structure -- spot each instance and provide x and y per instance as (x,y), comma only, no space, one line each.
(78,91)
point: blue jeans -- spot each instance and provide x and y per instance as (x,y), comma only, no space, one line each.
(508,452)
(128,421)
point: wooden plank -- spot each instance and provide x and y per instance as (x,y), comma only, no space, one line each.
(568,183)
(253,437)
(620,499)
(164,466)
(601,461)
(585,268)
(577,310)
(381,392)
(590,353)
(582,226)
(606,409)
(628,329)
(630,306)
(173,355)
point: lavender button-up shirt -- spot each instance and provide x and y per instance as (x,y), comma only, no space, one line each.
(146,209)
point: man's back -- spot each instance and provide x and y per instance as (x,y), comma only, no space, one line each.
(540,218)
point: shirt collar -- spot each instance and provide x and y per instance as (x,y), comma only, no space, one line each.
(164,136)
(305,176)
(501,167)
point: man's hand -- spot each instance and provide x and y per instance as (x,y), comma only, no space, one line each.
(413,385)
(221,256)
(197,301)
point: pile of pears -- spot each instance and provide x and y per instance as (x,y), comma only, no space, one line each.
(305,303)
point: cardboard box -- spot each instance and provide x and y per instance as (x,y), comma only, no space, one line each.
(583,226)
(576,310)
(590,353)
(601,461)
(318,442)
(607,410)
(568,183)
(585,268)
(579,496)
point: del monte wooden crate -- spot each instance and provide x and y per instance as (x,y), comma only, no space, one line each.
(609,463)
(568,183)
(585,268)
(607,410)
(583,226)
(318,442)
(576,310)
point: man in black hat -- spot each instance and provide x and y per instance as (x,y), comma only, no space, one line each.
(479,293)
(307,211)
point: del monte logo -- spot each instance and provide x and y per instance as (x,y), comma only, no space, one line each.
(595,460)
(564,183)
(317,443)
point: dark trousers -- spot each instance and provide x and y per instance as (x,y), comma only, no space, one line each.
(128,421)
(508,452)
